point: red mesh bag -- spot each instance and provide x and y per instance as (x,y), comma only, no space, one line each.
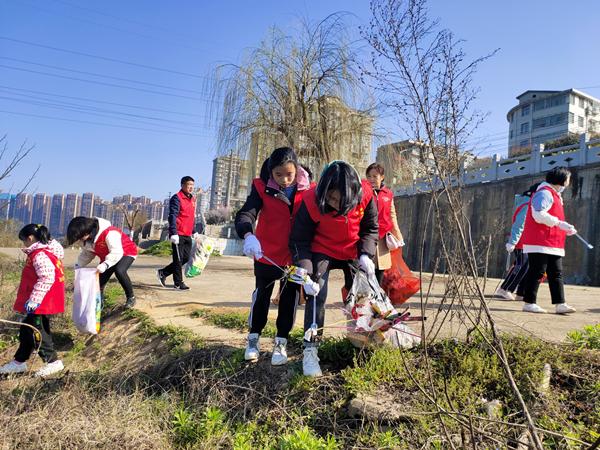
(399,283)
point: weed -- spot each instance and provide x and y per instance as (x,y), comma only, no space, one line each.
(383,365)
(232,363)
(305,439)
(589,337)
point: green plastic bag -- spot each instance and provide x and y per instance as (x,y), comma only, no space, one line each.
(202,247)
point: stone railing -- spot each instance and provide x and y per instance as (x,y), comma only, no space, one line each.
(497,169)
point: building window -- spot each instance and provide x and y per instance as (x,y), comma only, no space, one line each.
(524,143)
(580,121)
(573,99)
(525,110)
(571,117)
(581,102)
(525,128)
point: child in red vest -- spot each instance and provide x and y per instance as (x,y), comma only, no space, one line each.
(113,247)
(544,242)
(388,222)
(41,294)
(336,225)
(273,201)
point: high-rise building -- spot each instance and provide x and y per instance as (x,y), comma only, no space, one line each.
(542,116)
(202,200)
(56,214)
(103,209)
(118,217)
(7,202)
(23,206)
(87,204)
(71,209)
(41,209)
(154,211)
(229,182)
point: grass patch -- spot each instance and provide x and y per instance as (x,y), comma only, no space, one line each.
(162,248)
(178,339)
(588,337)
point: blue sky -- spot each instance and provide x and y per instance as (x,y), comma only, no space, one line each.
(543,45)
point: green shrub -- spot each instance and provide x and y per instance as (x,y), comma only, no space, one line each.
(162,248)
(305,439)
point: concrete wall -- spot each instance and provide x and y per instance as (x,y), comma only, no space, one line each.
(489,207)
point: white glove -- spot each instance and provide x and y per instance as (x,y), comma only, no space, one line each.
(252,247)
(174,239)
(366,264)
(311,287)
(510,247)
(102,268)
(31,306)
(567,227)
(195,236)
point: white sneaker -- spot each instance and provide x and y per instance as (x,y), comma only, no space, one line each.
(279,356)
(310,362)
(504,295)
(533,308)
(252,348)
(563,308)
(13,367)
(50,369)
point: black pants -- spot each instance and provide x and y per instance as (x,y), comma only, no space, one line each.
(120,270)
(516,275)
(181,255)
(28,343)
(379,275)
(267,277)
(322,265)
(551,265)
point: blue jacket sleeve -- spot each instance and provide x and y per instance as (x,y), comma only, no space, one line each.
(173,214)
(518,226)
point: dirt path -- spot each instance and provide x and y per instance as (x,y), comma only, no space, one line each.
(228,282)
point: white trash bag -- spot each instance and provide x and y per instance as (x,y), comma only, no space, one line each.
(87,301)
(202,248)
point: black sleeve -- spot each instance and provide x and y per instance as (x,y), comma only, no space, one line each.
(369,230)
(246,216)
(303,232)
(173,213)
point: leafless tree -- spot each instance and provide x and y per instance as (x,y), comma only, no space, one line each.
(8,164)
(297,90)
(134,218)
(422,74)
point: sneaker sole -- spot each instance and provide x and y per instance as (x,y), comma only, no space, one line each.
(160,280)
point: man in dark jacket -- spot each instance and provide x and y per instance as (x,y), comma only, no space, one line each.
(182,224)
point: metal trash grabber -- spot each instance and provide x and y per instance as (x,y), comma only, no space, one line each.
(586,243)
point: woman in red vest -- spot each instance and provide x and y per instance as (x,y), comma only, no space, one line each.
(113,247)
(41,294)
(274,200)
(544,241)
(388,222)
(336,225)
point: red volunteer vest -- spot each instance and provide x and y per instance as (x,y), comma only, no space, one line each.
(101,248)
(186,220)
(54,300)
(275,224)
(337,236)
(543,235)
(519,245)
(385,197)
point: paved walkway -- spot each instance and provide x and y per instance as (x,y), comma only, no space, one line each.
(228,283)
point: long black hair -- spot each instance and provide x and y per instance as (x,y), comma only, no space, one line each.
(81,226)
(558,175)
(279,157)
(340,176)
(40,232)
(531,190)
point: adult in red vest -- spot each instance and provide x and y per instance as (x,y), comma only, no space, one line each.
(335,228)
(182,228)
(113,247)
(390,236)
(514,278)
(274,200)
(41,294)
(544,241)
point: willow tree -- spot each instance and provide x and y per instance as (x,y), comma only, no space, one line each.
(300,90)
